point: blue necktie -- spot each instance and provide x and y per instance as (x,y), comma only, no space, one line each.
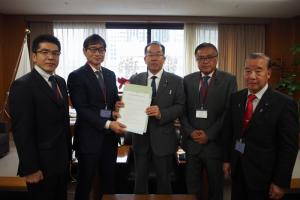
(205,81)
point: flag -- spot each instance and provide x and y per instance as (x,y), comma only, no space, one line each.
(24,63)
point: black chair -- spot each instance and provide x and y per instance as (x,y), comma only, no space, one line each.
(4,139)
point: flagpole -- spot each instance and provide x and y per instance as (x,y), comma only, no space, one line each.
(4,112)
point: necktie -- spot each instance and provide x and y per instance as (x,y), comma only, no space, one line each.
(54,86)
(100,79)
(249,111)
(153,85)
(205,81)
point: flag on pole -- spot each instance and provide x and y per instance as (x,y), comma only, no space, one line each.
(24,65)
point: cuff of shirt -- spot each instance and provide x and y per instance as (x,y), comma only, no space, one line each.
(107,124)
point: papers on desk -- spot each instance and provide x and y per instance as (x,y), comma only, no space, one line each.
(136,99)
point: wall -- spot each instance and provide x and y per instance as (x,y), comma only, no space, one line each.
(1,61)
(281,34)
(12,30)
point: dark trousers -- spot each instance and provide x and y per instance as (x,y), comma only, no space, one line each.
(194,176)
(53,187)
(102,164)
(163,168)
(241,190)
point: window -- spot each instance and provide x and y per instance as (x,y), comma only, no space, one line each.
(124,53)
(173,42)
(126,43)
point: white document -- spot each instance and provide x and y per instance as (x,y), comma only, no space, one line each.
(136,99)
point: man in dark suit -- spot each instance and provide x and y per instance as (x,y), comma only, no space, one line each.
(93,93)
(38,104)
(261,136)
(207,98)
(159,143)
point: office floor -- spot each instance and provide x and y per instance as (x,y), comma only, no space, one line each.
(8,167)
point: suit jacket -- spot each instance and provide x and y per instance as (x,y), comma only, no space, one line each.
(170,100)
(271,143)
(88,99)
(217,102)
(40,125)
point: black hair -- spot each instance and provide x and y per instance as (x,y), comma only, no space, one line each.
(156,43)
(206,45)
(94,39)
(44,38)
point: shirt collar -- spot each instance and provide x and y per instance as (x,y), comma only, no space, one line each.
(44,74)
(158,75)
(210,75)
(260,93)
(94,68)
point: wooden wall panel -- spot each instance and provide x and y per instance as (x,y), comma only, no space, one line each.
(297,30)
(12,27)
(1,61)
(280,36)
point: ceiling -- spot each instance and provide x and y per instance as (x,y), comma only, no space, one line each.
(216,8)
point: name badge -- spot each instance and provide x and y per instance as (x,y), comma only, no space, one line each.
(104,113)
(201,114)
(240,146)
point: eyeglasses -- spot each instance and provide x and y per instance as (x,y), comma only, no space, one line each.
(208,58)
(154,55)
(47,52)
(95,50)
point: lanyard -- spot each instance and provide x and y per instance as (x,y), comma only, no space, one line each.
(203,92)
(103,89)
(104,95)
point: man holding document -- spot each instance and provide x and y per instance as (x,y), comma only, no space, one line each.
(159,143)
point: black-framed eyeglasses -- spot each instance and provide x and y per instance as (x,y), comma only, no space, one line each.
(47,52)
(95,50)
(154,54)
(207,58)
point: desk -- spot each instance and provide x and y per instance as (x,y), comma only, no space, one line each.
(295,184)
(9,181)
(12,184)
(149,197)
(123,152)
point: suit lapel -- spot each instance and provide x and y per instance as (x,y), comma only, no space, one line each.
(213,86)
(196,83)
(261,107)
(44,87)
(144,79)
(162,84)
(92,77)
(241,106)
(64,92)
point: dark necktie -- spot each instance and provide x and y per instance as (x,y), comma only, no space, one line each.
(153,85)
(54,87)
(205,81)
(249,111)
(100,79)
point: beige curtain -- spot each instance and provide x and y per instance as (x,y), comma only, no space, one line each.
(235,42)
(195,34)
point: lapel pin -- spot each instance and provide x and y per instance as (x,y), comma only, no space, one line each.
(170,92)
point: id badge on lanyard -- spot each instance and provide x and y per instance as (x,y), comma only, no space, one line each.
(105,113)
(201,113)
